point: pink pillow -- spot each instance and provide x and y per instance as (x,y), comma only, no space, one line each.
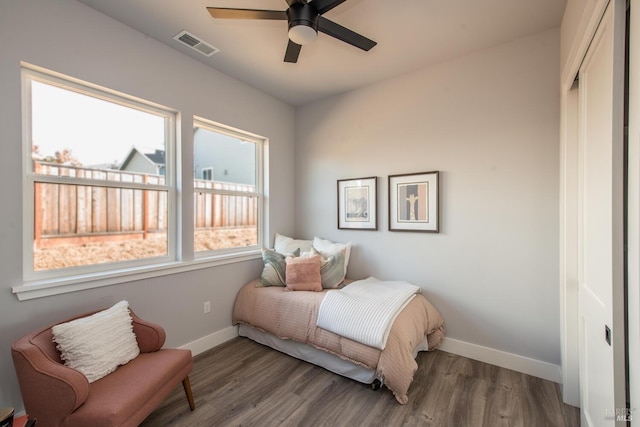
(303,274)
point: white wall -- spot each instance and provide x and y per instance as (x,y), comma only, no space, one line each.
(489,122)
(70,38)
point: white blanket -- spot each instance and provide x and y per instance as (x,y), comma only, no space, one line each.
(364,311)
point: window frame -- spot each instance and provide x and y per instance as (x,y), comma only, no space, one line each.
(179,258)
(30,180)
(260,142)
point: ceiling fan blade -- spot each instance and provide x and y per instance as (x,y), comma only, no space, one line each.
(292,53)
(290,2)
(225,13)
(344,34)
(323,6)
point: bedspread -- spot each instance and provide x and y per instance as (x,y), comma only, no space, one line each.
(293,315)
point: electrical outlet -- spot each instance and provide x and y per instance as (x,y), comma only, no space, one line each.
(207,307)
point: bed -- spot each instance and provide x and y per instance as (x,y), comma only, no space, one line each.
(287,321)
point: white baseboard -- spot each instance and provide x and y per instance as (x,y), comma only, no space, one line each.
(209,341)
(526,365)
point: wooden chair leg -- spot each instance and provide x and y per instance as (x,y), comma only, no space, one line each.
(187,390)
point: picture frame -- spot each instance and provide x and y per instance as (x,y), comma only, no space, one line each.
(414,202)
(358,203)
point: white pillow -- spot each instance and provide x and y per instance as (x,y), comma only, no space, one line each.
(328,246)
(288,245)
(96,345)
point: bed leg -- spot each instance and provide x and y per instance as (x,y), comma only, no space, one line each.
(376,384)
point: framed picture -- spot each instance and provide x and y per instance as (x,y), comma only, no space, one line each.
(413,202)
(357,203)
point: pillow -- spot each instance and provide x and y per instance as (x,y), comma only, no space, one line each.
(96,345)
(326,246)
(287,245)
(303,274)
(332,271)
(274,271)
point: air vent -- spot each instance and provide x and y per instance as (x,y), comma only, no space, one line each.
(195,43)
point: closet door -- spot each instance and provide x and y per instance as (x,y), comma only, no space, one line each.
(601,225)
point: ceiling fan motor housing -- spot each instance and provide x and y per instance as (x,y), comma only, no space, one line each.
(301,14)
(305,20)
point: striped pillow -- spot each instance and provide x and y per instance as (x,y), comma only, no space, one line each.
(275,268)
(332,267)
(327,246)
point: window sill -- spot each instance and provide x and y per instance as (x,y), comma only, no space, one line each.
(48,287)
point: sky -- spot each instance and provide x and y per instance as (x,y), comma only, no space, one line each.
(96,131)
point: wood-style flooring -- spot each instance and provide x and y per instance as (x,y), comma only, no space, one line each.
(242,383)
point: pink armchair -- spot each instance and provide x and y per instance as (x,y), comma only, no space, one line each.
(57,395)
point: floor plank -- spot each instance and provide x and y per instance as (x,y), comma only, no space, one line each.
(242,383)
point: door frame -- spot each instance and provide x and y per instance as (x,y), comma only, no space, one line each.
(569,223)
(569,250)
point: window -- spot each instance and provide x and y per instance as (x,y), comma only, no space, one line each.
(228,198)
(99,187)
(101,197)
(207,174)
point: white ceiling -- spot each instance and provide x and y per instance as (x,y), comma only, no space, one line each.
(411,34)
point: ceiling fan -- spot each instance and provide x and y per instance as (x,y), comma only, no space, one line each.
(305,20)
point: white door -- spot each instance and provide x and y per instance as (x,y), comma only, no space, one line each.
(601,203)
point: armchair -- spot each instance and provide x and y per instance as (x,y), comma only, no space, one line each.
(57,395)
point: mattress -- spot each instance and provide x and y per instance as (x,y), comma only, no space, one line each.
(310,354)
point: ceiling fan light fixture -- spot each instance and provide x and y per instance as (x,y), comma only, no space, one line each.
(303,23)
(302,34)
(304,19)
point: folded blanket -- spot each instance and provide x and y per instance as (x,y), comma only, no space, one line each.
(365,310)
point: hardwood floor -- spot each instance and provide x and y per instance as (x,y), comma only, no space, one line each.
(242,383)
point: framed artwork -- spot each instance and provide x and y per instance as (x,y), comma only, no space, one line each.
(357,203)
(413,202)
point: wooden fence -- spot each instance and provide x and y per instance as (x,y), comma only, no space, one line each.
(223,210)
(77,214)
